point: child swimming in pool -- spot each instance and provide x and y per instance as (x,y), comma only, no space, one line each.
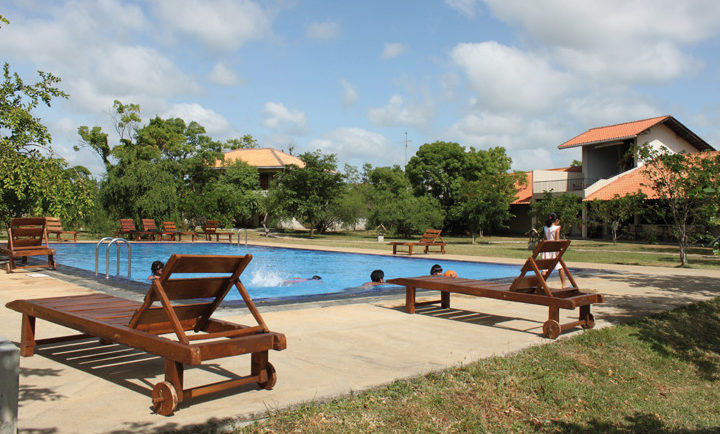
(377,277)
(156,270)
(301,279)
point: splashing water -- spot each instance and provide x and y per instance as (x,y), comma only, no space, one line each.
(265,277)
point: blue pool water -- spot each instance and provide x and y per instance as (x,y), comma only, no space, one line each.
(272,269)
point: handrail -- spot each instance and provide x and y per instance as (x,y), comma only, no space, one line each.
(107,257)
(117,242)
(238,235)
(97,253)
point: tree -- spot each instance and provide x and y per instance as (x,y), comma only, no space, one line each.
(311,193)
(566,205)
(687,185)
(391,203)
(617,210)
(232,199)
(32,178)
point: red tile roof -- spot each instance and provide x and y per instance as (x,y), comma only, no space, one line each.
(632,182)
(263,157)
(613,132)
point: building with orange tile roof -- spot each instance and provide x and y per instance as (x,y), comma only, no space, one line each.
(268,161)
(610,165)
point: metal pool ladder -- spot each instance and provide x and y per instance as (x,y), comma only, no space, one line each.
(237,231)
(117,242)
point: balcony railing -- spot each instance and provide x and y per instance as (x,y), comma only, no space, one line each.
(563,185)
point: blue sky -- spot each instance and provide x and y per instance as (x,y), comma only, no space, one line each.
(352,77)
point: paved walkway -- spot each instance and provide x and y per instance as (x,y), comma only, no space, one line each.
(333,348)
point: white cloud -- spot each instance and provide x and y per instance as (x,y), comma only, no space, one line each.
(358,146)
(278,117)
(350,95)
(505,78)
(215,124)
(395,113)
(467,8)
(222,75)
(221,25)
(610,105)
(393,49)
(633,42)
(322,30)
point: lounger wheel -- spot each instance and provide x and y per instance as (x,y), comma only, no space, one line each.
(164,398)
(551,329)
(272,377)
(589,322)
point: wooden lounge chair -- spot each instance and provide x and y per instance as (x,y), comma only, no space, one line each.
(140,326)
(27,237)
(170,227)
(431,238)
(54,227)
(530,287)
(150,226)
(210,228)
(127,226)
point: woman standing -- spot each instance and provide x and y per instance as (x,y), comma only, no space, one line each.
(552,232)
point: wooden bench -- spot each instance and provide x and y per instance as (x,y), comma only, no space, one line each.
(210,228)
(54,227)
(529,288)
(431,238)
(197,336)
(170,227)
(27,236)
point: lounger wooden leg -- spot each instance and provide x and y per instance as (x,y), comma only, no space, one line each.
(410,250)
(51,262)
(587,318)
(445,300)
(551,327)
(27,336)
(409,299)
(260,366)
(174,375)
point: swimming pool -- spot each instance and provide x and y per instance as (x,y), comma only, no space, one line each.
(272,270)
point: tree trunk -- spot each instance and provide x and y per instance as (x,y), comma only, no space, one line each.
(312,232)
(473,237)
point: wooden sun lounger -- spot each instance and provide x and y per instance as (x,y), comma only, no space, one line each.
(530,287)
(127,226)
(54,227)
(27,236)
(431,238)
(210,228)
(170,227)
(137,325)
(150,226)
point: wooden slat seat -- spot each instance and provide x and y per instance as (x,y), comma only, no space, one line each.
(191,334)
(170,227)
(431,238)
(27,236)
(526,288)
(54,227)
(210,228)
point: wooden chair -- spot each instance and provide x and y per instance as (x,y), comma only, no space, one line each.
(54,227)
(150,226)
(210,228)
(27,237)
(431,238)
(530,287)
(170,227)
(197,336)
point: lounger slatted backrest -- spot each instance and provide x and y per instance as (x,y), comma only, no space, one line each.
(541,268)
(27,232)
(194,316)
(127,225)
(169,226)
(211,226)
(149,225)
(431,236)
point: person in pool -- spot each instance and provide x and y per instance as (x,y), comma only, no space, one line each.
(377,277)
(301,279)
(156,270)
(436,270)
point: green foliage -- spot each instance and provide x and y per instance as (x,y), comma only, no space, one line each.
(688,186)
(566,205)
(32,179)
(311,194)
(616,211)
(444,171)
(232,198)
(392,203)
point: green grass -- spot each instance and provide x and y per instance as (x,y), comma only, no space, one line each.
(658,374)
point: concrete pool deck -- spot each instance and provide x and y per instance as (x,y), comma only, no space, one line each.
(334,347)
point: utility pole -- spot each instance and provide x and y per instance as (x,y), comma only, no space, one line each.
(406,143)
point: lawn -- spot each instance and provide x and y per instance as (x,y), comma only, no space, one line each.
(657,374)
